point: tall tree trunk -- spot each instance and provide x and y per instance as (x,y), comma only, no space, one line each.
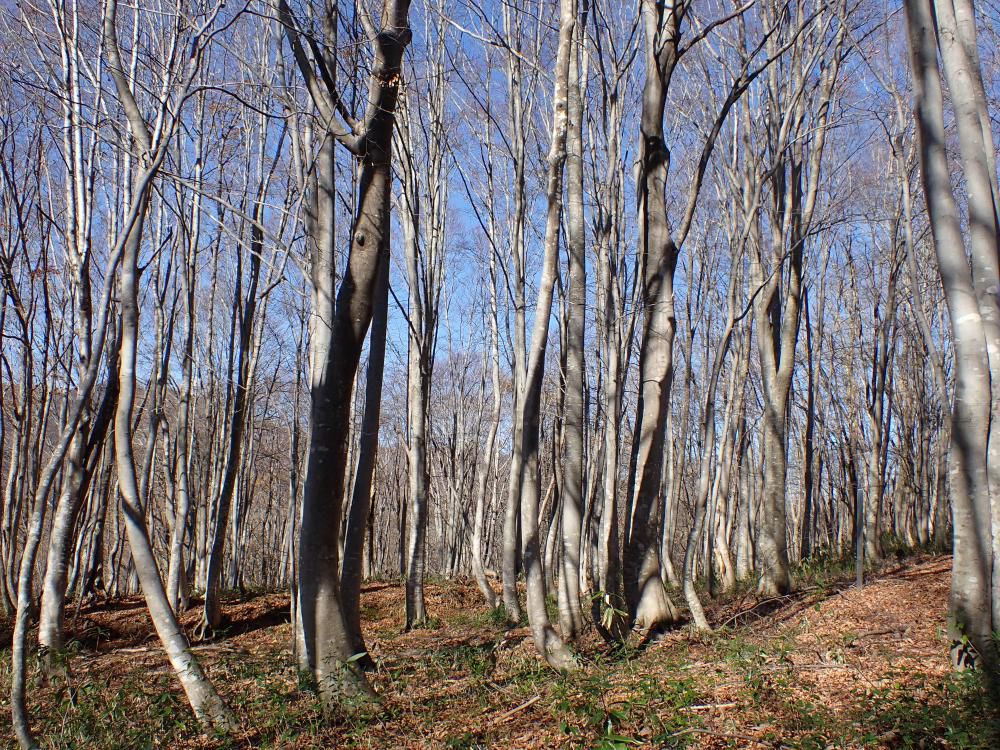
(548,643)
(970,603)
(956,36)
(336,343)
(574,414)
(649,605)
(205,701)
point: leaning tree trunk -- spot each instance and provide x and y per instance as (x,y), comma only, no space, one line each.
(359,512)
(971,622)
(548,643)
(205,701)
(338,335)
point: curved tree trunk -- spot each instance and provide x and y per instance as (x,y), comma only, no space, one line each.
(548,643)
(204,700)
(337,337)
(359,512)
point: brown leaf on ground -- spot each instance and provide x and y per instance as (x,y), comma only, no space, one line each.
(833,667)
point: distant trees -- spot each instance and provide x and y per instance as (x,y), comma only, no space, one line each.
(799,98)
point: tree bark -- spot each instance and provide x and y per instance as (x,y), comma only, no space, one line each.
(338,333)
(548,643)
(574,413)
(970,603)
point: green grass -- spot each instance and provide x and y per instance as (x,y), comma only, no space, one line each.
(961,712)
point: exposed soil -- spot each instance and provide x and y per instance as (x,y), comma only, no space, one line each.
(829,667)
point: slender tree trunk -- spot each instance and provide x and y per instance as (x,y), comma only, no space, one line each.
(359,512)
(548,643)
(574,415)
(484,466)
(242,403)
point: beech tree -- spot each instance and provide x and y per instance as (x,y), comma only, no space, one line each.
(338,328)
(681,300)
(972,306)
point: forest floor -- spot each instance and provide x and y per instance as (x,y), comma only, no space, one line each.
(831,666)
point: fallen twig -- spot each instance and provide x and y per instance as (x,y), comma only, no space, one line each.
(699,730)
(505,716)
(709,706)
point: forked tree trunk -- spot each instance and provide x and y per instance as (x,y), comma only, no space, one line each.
(794,178)
(87,444)
(338,334)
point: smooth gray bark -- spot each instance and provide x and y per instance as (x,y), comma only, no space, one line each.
(574,412)
(548,643)
(338,332)
(971,589)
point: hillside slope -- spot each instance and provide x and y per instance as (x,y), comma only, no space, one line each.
(829,667)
